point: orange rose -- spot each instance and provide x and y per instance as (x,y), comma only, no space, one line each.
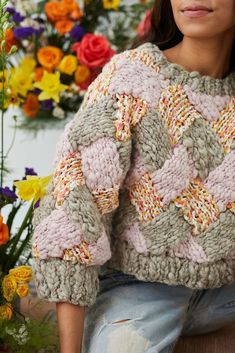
(22,290)
(31,106)
(70,5)
(76,14)
(49,57)
(4,232)
(10,39)
(6,311)
(85,83)
(56,11)
(93,51)
(64,26)
(82,74)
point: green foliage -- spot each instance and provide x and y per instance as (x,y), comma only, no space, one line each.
(27,335)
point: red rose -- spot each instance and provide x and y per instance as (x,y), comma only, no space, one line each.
(93,51)
(145,24)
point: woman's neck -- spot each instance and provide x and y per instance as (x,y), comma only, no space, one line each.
(210,57)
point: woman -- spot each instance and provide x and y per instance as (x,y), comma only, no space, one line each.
(135,238)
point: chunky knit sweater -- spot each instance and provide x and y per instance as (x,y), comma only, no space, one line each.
(143,182)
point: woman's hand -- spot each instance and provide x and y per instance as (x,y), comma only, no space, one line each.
(70,320)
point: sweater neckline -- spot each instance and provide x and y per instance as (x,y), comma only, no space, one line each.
(201,83)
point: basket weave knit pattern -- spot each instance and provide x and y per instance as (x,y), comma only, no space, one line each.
(143,180)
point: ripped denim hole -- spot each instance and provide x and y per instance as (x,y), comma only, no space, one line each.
(120,321)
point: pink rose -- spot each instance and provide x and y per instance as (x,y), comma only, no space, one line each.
(145,24)
(93,51)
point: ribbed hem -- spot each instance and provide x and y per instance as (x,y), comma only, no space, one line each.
(172,271)
(179,75)
(58,280)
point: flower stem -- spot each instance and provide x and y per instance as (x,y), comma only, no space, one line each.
(3,67)
(24,224)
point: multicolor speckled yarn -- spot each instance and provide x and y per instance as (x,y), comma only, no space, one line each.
(144,180)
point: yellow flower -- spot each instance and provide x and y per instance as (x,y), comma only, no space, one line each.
(51,86)
(11,99)
(21,274)
(28,64)
(111,4)
(9,286)
(68,64)
(6,311)
(21,81)
(32,188)
(22,290)
(4,79)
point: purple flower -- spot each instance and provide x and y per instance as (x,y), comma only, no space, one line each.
(37,204)
(77,33)
(39,31)
(8,193)
(47,104)
(30,171)
(17,17)
(37,91)
(23,32)
(11,10)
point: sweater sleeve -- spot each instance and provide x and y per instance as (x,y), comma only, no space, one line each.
(71,238)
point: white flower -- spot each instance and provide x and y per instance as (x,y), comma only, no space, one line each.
(28,22)
(58,112)
(21,337)
(74,88)
(66,94)
(26,6)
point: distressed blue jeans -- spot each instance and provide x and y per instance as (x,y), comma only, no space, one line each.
(132,316)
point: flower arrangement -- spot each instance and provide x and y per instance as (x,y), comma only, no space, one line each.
(48,57)
(62,46)
(16,209)
(15,249)
(17,332)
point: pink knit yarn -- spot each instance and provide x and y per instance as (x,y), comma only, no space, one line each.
(56,233)
(209,106)
(100,164)
(147,84)
(100,250)
(221,181)
(175,175)
(64,146)
(189,249)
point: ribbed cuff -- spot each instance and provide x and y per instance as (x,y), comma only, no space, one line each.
(59,280)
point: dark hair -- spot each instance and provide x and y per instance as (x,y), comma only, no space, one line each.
(164,31)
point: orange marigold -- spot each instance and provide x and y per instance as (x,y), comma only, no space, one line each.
(31,106)
(56,11)
(49,57)
(64,26)
(4,232)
